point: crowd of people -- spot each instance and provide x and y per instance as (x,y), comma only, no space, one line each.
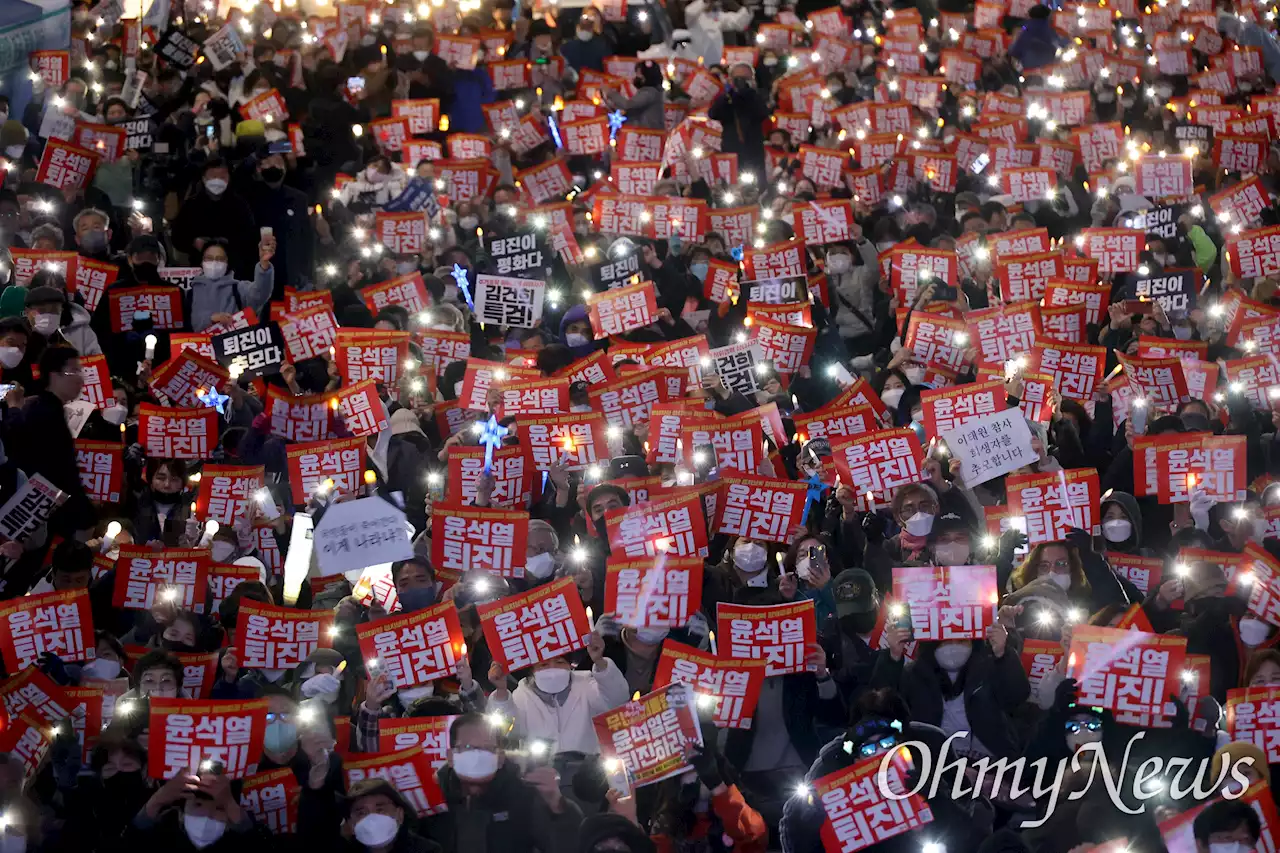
(890,376)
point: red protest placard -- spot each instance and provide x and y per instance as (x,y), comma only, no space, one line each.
(1076,368)
(428,734)
(733,684)
(190,736)
(1030,183)
(779,634)
(1164,177)
(737,441)
(440,348)
(1261,580)
(401,233)
(26,740)
(628,400)
(858,812)
(270,637)
(181,379)
(949,408)
(198,670)
(416,648)
(1170,465)
(86,716)
(177,433)
(878,463)
(649,735)
(1255,376)
(836,421)
(101,465)
(144,577)
(91,279)
(826,222)
(59,623)
(763,509)
(1052,504)
(786,346)
(913,267)
(622,309)
(225,491)
(362,409)
(407,291)
(948,602)
(1040,658)
(510,469)
(483,378)
(1004,332)
(272,798)
(466,537)
(312,463)
(578,440)
(1116,249)
(102,139)
(224,577)
(546,622)
(1158,382)
(936,341)
(423,115)
(375,354)
(1125,671)
(1253,716)
(309,332)
(1024,277)
(542,396)
(65,166)
(1143,572)
(653,593)
(670,525)
(409,771)
(1242,203)
(163,303)
(1060,293)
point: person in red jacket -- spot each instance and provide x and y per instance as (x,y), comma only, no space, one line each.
(695,809)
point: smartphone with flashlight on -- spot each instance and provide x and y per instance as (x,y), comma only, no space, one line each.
(979,163)
(1138,414)
(900,617)
(208,132)
(355,84)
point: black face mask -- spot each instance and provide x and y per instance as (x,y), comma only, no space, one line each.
(165,499)
(175,646)
(859,623)
(273,174)
(125,788)
(146,272)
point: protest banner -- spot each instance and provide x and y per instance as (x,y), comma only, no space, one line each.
(947,409)
(650,735)
(226,492)
(1253,716)
(545,622)
(270,637)
(876,464)
(734,685)
(58,623)
(413,649)
(272,798)
(177,433)
(990,446)
(1055,503)
(101,465)
(1170,465)
(312,464)
(510,468)
(408,770)
(670,525)
(779,634)
(145,578)
(188,736)
(364,532)
(663,592)
(859,813)
(473,537)
(948,602)
(727,444)
(1123,670)
(763,509)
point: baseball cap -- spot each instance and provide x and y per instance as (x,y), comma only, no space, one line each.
(855,592)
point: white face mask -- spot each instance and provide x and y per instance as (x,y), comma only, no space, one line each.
(651,636)
(839,264)
(586,35)
(203,831)
(1253,632)
(457,389)
(1182,333)
(373,176)
(1117,529)
(915,375)
(750,557)
(1230,847)
(215,186)
(919,524)
(102,668)
(13,152)
(215,269)
(953,658)
(45,324)
(892,396)
(115,415)
(575,339)
(420,55)
(222,551)
(540,565)
(1062,579)
(10,356)
(475,765)
(552,680)
(468,223)
(951,553)
(375,830)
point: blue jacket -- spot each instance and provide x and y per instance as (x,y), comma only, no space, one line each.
(471,90)
(1037,44)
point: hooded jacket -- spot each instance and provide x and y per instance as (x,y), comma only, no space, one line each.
(227,295)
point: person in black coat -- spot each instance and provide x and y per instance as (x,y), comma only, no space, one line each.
(741,111)
(377,818)
(215,210)
(195,814)
(284,210)
(43,441)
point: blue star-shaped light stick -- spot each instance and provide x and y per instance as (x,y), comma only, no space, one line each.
(491,436)
(460,276)
(736,253)
(213,400)
(814,495)
(616,120)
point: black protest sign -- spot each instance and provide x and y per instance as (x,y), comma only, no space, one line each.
(517,254)
(615,272)
(179,50)
(1175,290)
(735,364)
(139,133)
(257,350)
(1197,136)
(776,291)
(1162,221)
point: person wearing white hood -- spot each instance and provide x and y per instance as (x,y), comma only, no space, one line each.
(708,21)
(556,703)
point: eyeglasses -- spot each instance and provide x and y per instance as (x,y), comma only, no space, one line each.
(872,747)
(283,716)
(466,747)
(1056,564)
(1075,726)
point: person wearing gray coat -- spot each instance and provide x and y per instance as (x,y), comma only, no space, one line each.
(647,107)
(216,294)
